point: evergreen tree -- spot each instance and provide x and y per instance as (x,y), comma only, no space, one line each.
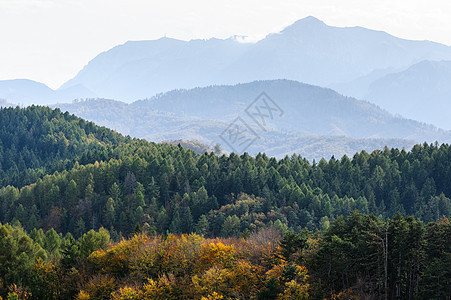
(202,225)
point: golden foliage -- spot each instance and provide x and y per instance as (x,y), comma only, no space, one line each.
(214,253)
(295,287)
(213,296)
(125,293)
(99,287)
(163,288)
(83,296)
(347,294)
(119,258)
(294,291)
(191,267)
(19,293)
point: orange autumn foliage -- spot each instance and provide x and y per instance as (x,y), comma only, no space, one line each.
(189,266)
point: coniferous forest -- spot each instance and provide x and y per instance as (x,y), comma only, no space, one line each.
(87,213)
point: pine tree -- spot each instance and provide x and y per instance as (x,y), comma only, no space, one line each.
(109,213)
(176,223)
(187,221)
(202,226)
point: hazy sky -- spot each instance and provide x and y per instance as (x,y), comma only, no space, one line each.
(51,40)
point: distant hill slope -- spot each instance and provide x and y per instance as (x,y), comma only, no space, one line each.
(28,92)
(309,110)
(422,92)
(307,51)
(316,123)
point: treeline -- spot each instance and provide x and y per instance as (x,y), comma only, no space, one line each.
(171,189)
(196,146)
(360,257)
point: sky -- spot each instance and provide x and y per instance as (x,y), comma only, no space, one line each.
(51,40)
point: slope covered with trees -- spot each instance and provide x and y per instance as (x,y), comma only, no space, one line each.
(38,140)
(203,225)
(170,188)
(360,257)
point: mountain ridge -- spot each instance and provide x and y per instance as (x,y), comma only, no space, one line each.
(29,92)
(338,54)
(351,60)
(330,123)
(425,86)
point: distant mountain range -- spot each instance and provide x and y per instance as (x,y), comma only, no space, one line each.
(316,122)
(422,92)
(308,51)
(355,61)
(194,90)
(27,92)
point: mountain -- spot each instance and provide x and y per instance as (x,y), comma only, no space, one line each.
(308,109)
(140,69)
(421,92)
(358,88)
(402,76)
(309,51)
(28,92)
(316,122)
(25,91)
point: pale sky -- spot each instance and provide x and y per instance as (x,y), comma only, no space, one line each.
(51,40)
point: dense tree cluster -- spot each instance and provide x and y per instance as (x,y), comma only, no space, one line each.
(38,140)
(360,257)
(170,188)
(44,265)
(68,187)
(400,258)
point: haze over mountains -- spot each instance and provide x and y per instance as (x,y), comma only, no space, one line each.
(425,88)
(308,51)
(316,122)
(307,110)
(408,78)
(27,92)
(355,61)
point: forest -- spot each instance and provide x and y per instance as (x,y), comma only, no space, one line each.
(90,214)
(358,257)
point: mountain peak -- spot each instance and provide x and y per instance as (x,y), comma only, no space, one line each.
(309,22)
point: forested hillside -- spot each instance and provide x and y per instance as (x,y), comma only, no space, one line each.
(170,188)
(360,257)
(38,140)
(69,226)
